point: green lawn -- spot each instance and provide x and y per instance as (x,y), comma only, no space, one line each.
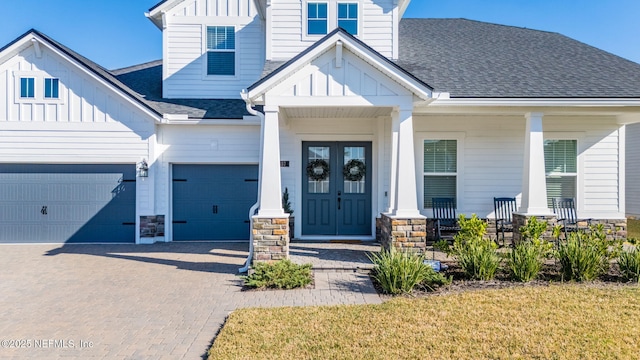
(633,229)
(560,321)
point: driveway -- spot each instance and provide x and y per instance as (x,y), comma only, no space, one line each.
(161,301)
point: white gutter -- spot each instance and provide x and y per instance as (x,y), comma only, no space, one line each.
(252,211)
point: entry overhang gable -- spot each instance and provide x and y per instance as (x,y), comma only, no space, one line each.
(338,70)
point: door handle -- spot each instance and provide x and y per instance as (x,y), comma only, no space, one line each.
(339,199)
(43,211)
(214,209)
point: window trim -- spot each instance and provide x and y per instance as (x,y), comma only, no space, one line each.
(358,17)
(33,87)
(305,18)
(205,52)
(55,81)
(419,151)
(579,174)
(38,88)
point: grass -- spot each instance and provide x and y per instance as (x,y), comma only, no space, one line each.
(633,228)
(556,322)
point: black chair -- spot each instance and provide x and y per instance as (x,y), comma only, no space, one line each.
(565,210)
(444,215)
(503,207)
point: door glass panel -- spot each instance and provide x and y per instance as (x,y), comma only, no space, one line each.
(354,170)
(318,164)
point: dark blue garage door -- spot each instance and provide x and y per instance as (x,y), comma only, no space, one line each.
(67,203)
(212,202)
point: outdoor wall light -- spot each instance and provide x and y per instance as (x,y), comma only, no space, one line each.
(142,168)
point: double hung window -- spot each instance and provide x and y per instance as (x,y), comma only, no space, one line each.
(221,50)
(440,169)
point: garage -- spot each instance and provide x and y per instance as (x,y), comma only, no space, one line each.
(67,203)
(212,202)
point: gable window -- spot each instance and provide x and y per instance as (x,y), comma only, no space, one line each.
(560,162)
(316,18)
(51,88)
(27,87)
(348,17)
(440,169)
(221,50)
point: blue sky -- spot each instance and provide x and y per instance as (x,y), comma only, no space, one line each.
(115,33)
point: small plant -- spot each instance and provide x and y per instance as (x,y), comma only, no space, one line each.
(527,257)
(399,272)
(286,203)
(476,255)
(629,261)
(282,274)
(585,255)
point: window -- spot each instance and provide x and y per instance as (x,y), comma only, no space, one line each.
(440,169)
(221,54)
(50,88)
(560,162)
(348,17)
(27,87)
(316,18)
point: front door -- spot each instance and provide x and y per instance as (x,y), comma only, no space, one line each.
(336,194)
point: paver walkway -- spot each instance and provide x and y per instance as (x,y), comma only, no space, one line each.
(161,301)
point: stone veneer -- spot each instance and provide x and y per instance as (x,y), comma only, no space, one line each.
(403,234)
(614,228)
(270,239)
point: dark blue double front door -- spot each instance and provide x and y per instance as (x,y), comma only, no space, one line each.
(336,188)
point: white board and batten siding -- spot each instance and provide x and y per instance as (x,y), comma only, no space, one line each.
(184,43)
(89,123)
(633,170)
(379,22)
(492,158)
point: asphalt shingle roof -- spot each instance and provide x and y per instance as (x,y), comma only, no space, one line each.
(472,59)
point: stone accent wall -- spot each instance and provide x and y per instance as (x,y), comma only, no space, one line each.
(614,228)
(520,220)
(270,239)
(403,234)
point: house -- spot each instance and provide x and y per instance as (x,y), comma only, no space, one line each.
(362,115)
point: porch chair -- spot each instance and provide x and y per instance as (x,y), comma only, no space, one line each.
(503,208)
(444,215)
(565,210)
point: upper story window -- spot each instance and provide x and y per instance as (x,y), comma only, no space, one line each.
(560,162)
(27,85)
(51,88)
(316,18)
(221,50)
(348,17)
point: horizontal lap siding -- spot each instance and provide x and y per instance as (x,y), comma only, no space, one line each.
(287,27)
(185,59)
(89,123)
(633,170)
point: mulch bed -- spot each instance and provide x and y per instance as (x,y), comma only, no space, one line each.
(550,274)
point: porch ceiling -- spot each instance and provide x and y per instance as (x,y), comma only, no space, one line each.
(336,112)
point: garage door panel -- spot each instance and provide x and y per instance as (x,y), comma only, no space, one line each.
(212,202)
(67,203)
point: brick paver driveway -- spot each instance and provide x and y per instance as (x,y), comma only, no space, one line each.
(136,301)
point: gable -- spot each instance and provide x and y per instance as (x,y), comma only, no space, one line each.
(80,95)
(342,68)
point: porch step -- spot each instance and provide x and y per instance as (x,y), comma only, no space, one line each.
(346,241)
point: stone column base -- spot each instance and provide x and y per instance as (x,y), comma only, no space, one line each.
(520,220)
(270,239)
(403,234)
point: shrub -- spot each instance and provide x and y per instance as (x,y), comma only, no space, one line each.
(476,255)
(585,255)
(282,274)
(399,271)
(629,262)
(527,257)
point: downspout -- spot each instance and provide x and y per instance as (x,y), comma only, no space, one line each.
(255,206)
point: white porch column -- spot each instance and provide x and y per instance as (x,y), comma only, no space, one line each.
(404,173)
(534,185)
(270,183)
(395,128)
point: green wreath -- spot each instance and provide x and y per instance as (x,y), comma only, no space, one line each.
(318,170)
(354,170)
